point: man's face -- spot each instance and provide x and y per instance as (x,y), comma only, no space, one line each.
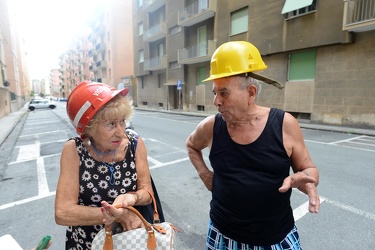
(230,98)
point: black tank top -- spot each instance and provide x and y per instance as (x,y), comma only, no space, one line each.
(246,204)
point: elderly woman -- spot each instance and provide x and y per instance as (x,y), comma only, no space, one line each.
(100,167)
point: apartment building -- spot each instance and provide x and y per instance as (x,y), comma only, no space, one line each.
(323,52)
(14,78)
(103,52)
(54,82)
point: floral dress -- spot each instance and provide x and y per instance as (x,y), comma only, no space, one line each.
(97,183)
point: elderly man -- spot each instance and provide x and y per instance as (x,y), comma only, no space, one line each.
(252,149)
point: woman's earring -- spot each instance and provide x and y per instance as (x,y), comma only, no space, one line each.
(89,142)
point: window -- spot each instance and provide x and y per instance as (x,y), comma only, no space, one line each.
(302,66)
(141,56)
(140,3)
(201,75)
(294,8)
(239,21)
(140,29)
(202,41)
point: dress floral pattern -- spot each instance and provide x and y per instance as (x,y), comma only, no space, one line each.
(97,183)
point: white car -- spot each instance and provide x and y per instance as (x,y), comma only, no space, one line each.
(41,103)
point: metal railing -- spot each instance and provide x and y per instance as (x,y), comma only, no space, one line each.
(155,62)
(360,11)
(193,9)
(155,30)
(194,51)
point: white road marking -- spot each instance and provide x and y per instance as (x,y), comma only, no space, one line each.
(352,209)
(165,144)
(30,152)
(347,140)
(340,143)
(169,163)
(302,210)
(43,133)
(27,200)
(42,178)
(167,119)
(7,242)
(46,156)
(27,152)
(47,142)
(152,160)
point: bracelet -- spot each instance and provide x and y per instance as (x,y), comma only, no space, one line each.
(137,197)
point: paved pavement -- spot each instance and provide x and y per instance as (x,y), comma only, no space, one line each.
(8,122)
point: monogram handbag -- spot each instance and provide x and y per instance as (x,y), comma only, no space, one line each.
(159,236)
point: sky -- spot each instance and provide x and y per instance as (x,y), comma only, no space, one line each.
(47,27)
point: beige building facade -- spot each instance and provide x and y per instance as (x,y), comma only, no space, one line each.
(323,52)
(14,78)
(103,52)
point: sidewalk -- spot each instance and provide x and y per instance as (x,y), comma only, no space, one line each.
(8,122)
(303,124)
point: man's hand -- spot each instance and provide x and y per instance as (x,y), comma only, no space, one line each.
(206,177)
(305,184)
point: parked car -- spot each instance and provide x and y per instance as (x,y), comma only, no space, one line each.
(129,125)
(41,103)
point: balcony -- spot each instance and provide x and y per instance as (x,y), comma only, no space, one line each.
(197,53)
(92,52)
(155,33)
(100,46)
(359,15)
(152,5)
(196,12)
(155,63)
(101,64)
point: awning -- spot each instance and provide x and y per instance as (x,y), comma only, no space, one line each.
(291,5)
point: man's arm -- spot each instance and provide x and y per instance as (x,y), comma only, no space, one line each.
(199,139)
(306,175)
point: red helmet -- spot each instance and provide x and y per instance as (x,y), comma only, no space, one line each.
(86,99)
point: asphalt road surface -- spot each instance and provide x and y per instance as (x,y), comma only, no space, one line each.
(346,162)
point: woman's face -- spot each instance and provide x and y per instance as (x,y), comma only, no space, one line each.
(109,134)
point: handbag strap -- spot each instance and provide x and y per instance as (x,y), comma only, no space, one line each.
(156,213)
(151,242)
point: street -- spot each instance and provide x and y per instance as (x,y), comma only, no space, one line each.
(346,219)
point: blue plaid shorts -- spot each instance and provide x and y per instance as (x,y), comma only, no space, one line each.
(217,241)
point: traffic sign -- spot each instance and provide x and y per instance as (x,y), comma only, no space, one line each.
(179,84)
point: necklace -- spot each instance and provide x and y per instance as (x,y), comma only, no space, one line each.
(110,166)
(97,151)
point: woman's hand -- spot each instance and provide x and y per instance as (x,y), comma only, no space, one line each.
(125,217)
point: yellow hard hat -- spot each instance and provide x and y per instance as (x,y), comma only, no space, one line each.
(238,57)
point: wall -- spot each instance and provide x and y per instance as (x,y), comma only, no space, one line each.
(345,89)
